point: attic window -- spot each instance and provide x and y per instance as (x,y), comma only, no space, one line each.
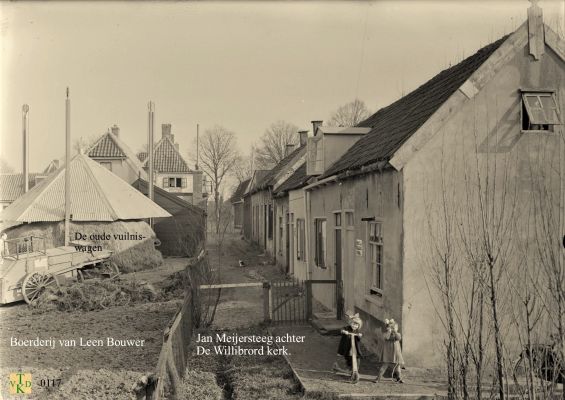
(539,111)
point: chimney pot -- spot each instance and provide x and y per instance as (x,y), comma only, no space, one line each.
(115,130)
(288,149)
(315,126)
(165,129)
(166,132)
(303,136)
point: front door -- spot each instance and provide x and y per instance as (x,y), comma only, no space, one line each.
(338,267)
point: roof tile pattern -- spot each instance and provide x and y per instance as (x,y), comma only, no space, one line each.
(12,185)
(270,177)
(240,191)
(167,158)
(106,147)
(394,124)
(296,180)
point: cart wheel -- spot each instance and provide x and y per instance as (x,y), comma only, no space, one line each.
(109,269)
(355,377)
(35,283)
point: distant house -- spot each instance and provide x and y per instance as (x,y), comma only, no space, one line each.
(183,232)
(265,216)
(236,201)
(114,155)
(172,172)
(293,234)
(253,225)
(12,186)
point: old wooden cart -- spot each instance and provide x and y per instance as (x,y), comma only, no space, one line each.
(28,268)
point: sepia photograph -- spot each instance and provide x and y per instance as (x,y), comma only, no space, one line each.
(276,200)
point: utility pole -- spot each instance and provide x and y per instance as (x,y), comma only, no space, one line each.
(67,167)
(151,116)
(197,145)
(25,110)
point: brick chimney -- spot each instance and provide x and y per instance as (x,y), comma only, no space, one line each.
(115,130)
(303,136)
(315,126)
(288,149)
(166,132)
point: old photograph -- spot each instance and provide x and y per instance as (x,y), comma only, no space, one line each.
(275,200)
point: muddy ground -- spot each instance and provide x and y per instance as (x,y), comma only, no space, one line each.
(87,372)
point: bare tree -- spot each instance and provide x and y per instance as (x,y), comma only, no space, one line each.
(349,114)
(273,144)
(82,143)
(243,168)
(218,156)
(5,167)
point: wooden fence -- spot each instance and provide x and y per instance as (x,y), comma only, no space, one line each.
(282,302)
(174,353)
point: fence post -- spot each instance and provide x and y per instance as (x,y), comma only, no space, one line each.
(308,300)
(267,303)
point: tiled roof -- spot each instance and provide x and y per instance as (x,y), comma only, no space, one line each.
(296,180)
(96,194)
(391,126)
(240,191)
(167,158)
(106,147)
(270,177)
(12,185)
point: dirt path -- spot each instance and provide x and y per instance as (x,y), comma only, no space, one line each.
(240,307)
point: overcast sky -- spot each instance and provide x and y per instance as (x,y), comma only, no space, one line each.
(241,65)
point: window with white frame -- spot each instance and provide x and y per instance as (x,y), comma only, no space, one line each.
(376,256)
(300,239)
(540,111)
(320,242)
(106,164)
(174,182)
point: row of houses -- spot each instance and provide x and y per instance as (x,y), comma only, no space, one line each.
(369,205)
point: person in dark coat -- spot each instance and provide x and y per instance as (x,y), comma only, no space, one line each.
(344,347)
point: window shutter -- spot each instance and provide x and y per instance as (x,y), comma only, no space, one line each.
(183,182)
(165,182)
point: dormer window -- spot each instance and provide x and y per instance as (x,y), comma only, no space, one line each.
(539,111)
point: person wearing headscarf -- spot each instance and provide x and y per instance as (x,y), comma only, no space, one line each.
(391,352)
(344,348)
